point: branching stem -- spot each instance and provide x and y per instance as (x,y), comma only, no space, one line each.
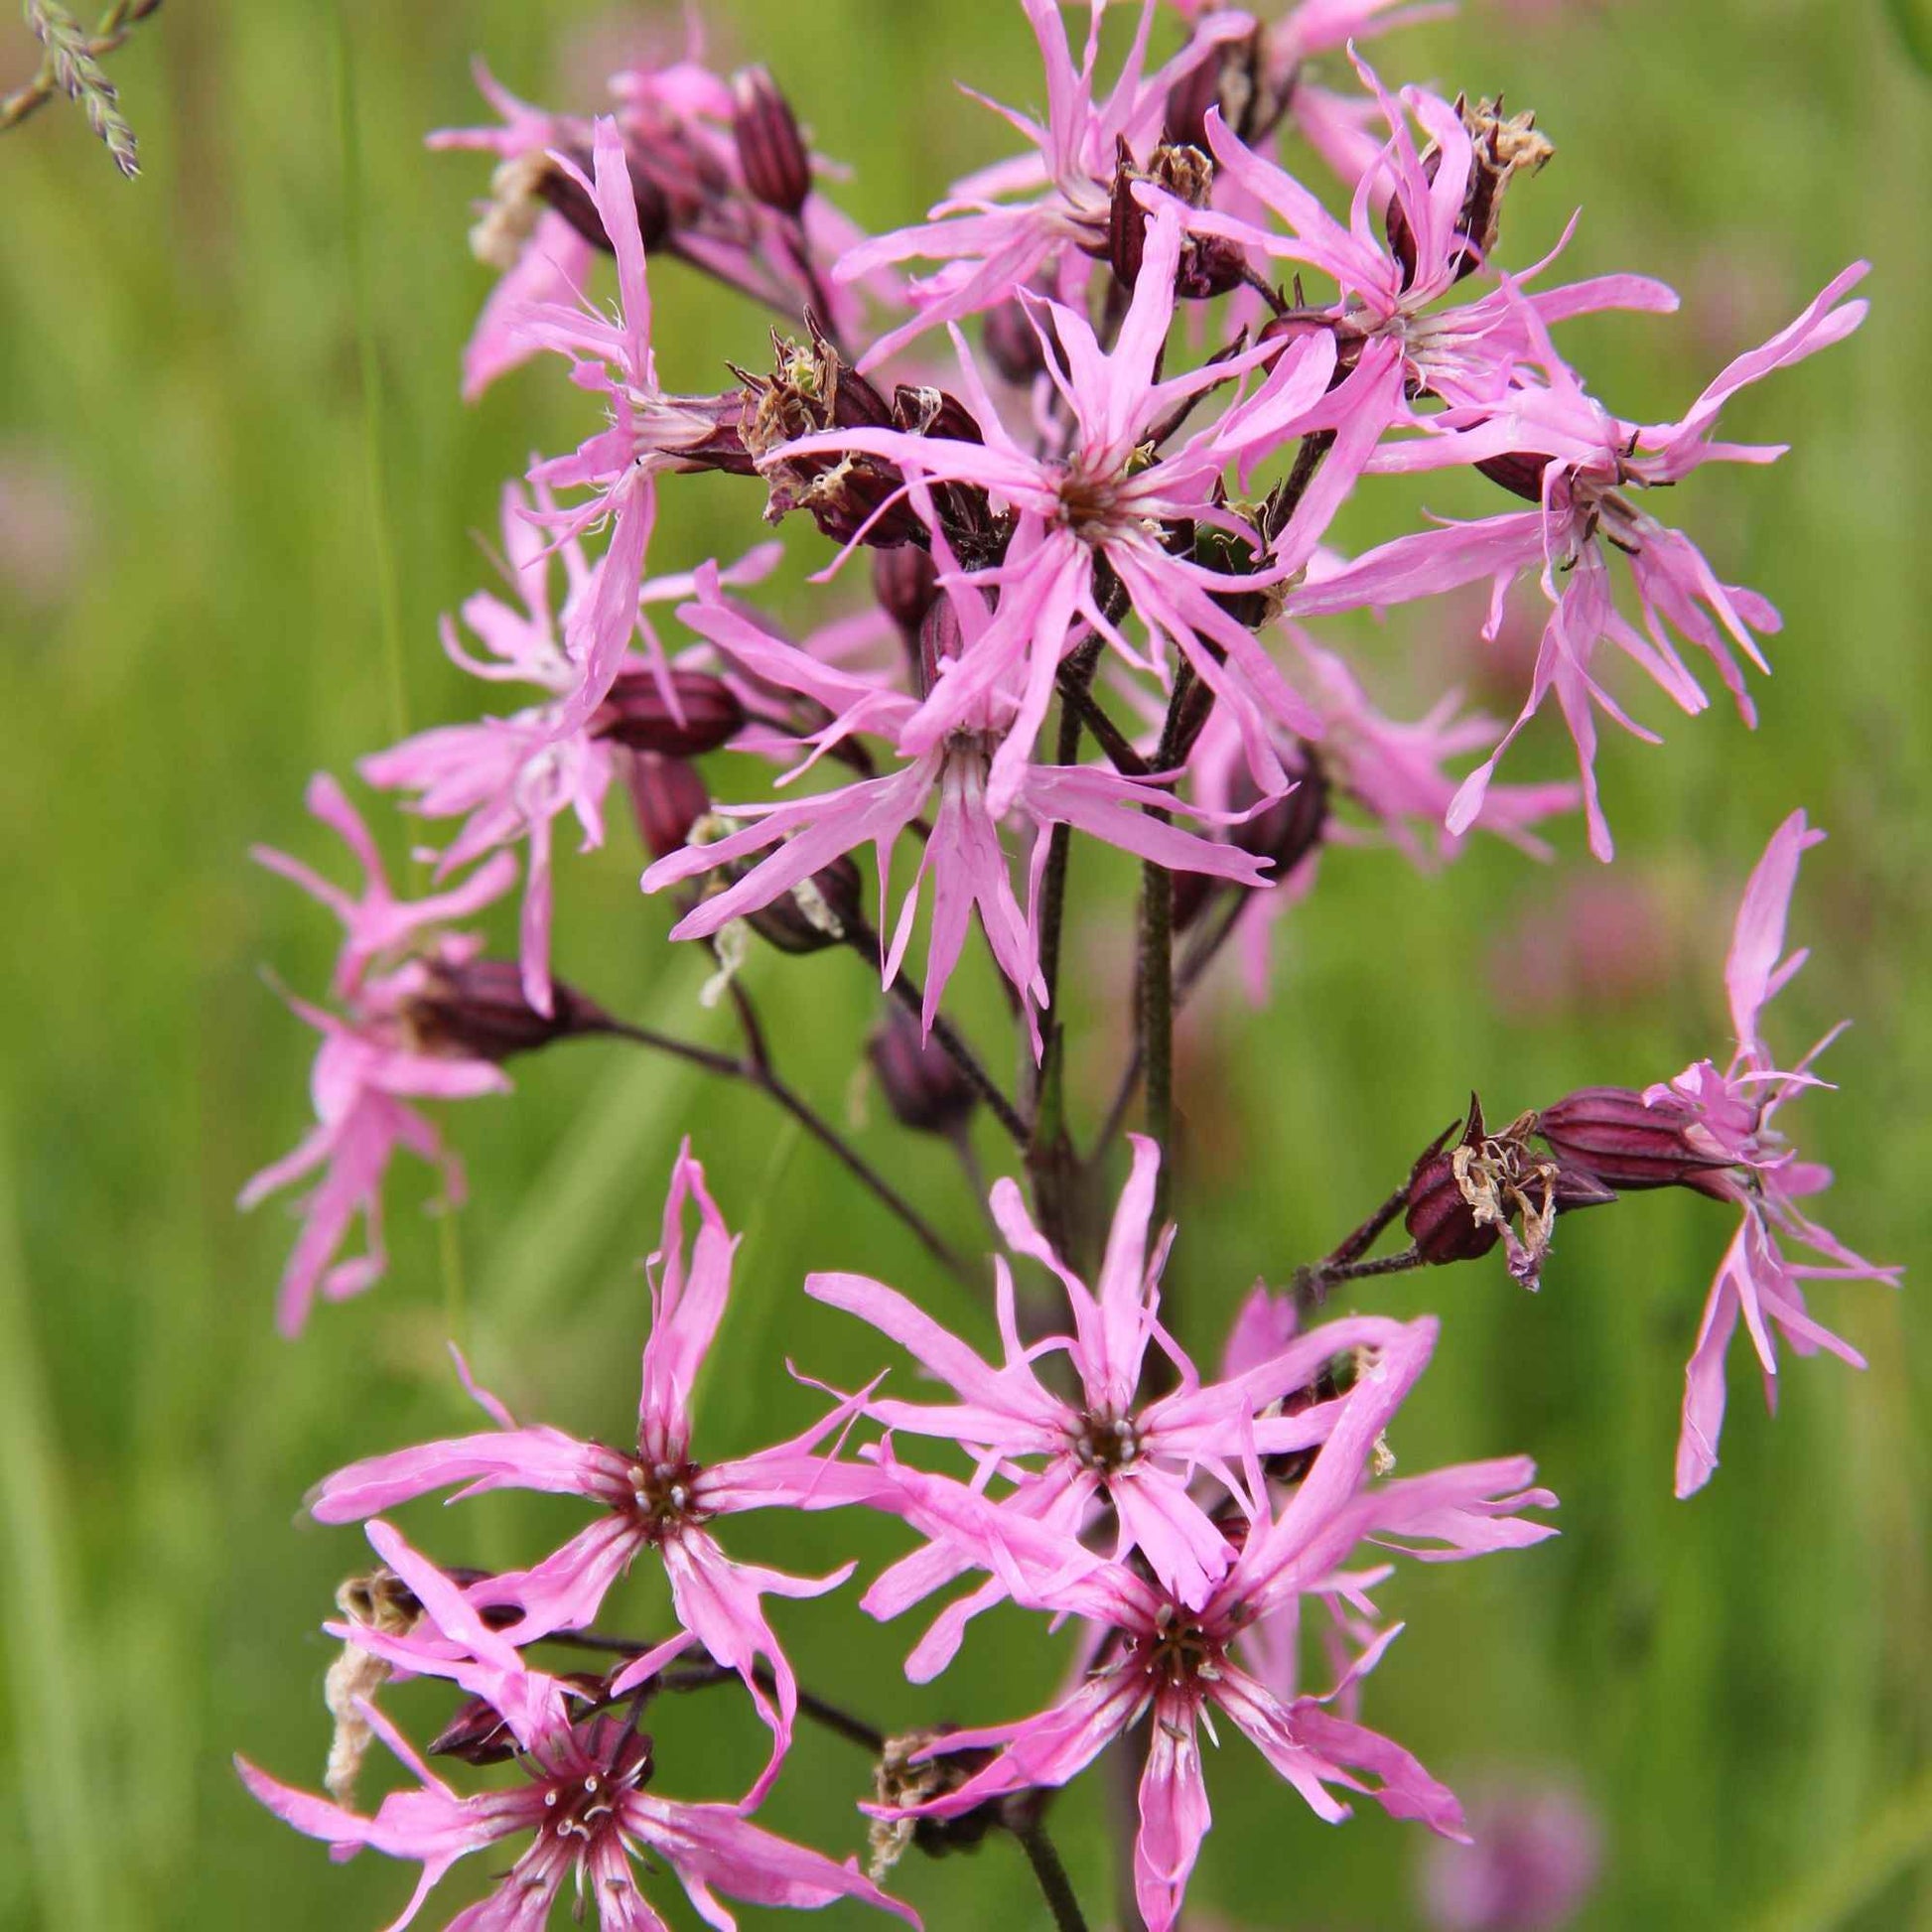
(755,1070)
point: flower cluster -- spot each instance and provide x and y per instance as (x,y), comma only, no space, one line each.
(1094,448)
(1189,1533)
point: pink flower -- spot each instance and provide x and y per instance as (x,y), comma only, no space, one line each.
(586,1794)
(542,256)
(1391,274)
(1556,446)
(951,779)
(1394,771)
(682,156)
(650,432)
(1729,1116)
(655,1495)
(1104,499)
(1391,769)
(1152,1655)
(1533,1857)
(1105,1444)
(993,246)
(511,778)
(370,1066)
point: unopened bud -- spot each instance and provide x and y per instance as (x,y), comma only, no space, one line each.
(771,151)
(925,411)
(1188,100)
(1492,1188)
(818,913)
(1013,343)
(905,583)
(1610,1133)
(667,798)
(1519,474)
(641,714)
(1293,826)
(921,1080)
(1233,77)
(477,1008)
(478,1733)
(1286,833)
(1440,1220)
(567,195)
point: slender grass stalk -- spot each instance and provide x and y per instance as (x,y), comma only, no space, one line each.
(45,1686)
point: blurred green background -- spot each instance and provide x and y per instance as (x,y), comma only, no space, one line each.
(190,623)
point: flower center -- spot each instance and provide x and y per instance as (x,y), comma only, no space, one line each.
(663,1497)
(1179,1651)
(610,1759)
(1106,1442)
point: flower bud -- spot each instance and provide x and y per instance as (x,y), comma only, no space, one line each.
(1440,1220)
(477,1734)
(476,1007)
(926,411)
(568,197)
(1518,472)
(1464,1199)
(640,715)
(818,913)
(1610,1133)
(1234,79)
(921,1080)
(1013,344)
(1293,826)
(1190,98)
(905,583)
(1286,833)
(771,151)
(667,798)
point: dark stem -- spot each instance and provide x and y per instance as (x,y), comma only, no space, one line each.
(1155,976)
(855,1730)
(1050,1163)
(1263,287)
(1054,1884)
(756,1070)
(1107,734)
(702,1676)
(1309,1286)
(1157,1021)
(1311,1282)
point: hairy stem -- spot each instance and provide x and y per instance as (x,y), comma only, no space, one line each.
(1054,1885)
(1310,1285)
(1107,734)
(1049,1164)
